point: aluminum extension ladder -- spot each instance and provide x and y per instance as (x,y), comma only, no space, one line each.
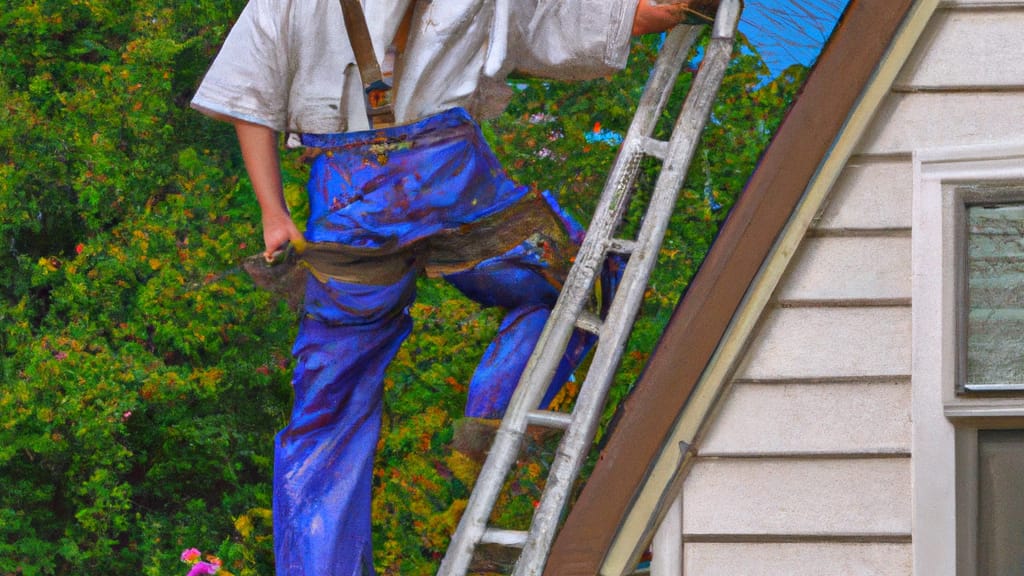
(613,331)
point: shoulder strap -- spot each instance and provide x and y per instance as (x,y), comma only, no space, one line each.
(379,109)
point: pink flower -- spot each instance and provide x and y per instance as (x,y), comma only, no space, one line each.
(191,555)
(201,568)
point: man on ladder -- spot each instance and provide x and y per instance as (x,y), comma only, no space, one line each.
(401,182)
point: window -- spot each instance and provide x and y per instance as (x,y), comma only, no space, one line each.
(992,317)
(968,367)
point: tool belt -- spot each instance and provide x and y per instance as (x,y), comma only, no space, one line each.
(530,220)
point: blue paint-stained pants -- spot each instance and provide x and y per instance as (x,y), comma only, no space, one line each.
(393,190)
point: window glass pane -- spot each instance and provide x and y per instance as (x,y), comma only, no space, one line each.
(1000,502)
(995,293)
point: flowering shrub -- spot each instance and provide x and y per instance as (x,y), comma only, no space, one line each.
(201,567)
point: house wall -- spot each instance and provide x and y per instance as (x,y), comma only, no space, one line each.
(807,468)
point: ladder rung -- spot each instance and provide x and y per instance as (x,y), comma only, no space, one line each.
(510,538)
(549,419)
(656,148)
(622,246)
(590,322)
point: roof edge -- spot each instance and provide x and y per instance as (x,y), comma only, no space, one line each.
(703,403)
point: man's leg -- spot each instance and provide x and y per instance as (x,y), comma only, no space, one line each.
(323,459)
(521,281)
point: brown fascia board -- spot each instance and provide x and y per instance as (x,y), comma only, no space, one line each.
(699,321)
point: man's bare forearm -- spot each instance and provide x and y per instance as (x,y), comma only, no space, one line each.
(263,164)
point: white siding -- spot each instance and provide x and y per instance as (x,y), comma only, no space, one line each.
(813,419)
(806,468)
(795,497)
(788,559)
(934,119)
(824,343)
(850,268)
(869,195)
(978,49)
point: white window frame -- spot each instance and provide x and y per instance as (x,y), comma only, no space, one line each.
(944,424)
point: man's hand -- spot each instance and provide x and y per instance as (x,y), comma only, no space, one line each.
(278,231)
(653,18)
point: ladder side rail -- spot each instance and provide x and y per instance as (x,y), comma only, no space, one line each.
(590,258)
(575,293)
(607,216)
(653,100)
(614,196)
(572,449)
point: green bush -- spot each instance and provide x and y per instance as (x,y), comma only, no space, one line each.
(143,374)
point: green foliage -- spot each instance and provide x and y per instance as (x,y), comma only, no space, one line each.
(94,116)
(144,376)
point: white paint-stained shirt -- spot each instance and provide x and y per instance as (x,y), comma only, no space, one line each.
(288,64)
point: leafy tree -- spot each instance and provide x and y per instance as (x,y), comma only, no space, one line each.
(143,374)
